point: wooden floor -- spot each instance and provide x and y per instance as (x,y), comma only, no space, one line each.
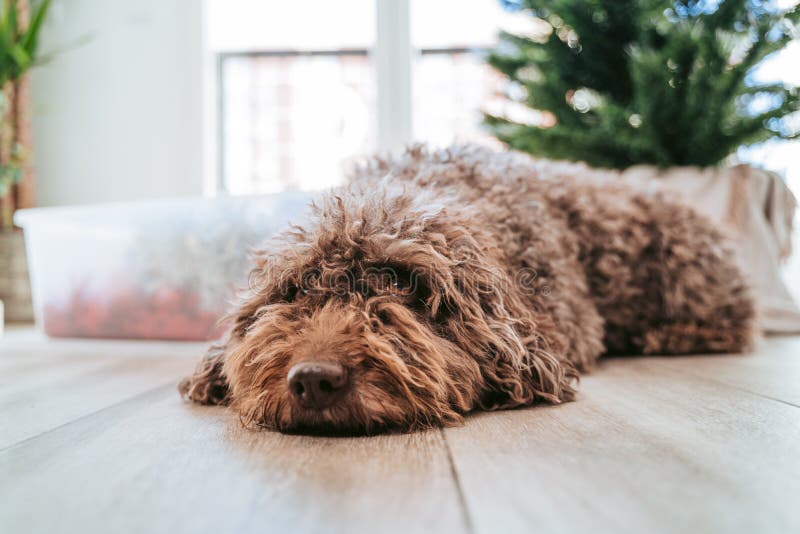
(94,438)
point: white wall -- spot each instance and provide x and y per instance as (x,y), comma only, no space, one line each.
(120,116)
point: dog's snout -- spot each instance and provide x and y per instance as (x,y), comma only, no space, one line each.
(317,384)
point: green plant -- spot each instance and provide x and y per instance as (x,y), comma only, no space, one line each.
(11,170)
(624,82)
(19,44)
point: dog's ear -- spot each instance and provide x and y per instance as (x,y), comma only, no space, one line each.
(208,384)
(521,353)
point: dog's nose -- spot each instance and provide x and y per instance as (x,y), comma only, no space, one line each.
(317,384)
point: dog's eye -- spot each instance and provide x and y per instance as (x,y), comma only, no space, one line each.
(401,285)
(401,281)
(393,280)
(292,292)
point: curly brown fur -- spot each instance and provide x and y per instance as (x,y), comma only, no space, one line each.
(449,281)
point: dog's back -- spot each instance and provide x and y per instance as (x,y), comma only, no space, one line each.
(660,277)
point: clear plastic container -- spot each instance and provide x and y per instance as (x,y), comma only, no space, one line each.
(165,269)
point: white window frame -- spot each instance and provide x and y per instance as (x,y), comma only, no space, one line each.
(392,58)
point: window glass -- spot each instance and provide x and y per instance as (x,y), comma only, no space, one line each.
(296,91)
(451,83)
(294,122)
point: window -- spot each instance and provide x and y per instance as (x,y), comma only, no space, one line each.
(295,91)
(297,84)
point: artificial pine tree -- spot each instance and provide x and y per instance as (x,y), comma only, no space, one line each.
(645,81)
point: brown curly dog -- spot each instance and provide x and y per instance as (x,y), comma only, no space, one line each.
(444,282)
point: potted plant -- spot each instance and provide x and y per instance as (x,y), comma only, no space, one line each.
(19,38)
(661,92)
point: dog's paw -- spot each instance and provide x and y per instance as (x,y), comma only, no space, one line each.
(207,385)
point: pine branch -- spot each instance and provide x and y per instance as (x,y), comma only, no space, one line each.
(655,85)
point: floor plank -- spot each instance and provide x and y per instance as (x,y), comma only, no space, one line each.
(647,448)
(46,383)
(772,371)
(155,464)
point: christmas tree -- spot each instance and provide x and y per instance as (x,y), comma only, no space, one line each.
(622,82)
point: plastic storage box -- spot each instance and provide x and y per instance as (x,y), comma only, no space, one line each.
(166,269)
